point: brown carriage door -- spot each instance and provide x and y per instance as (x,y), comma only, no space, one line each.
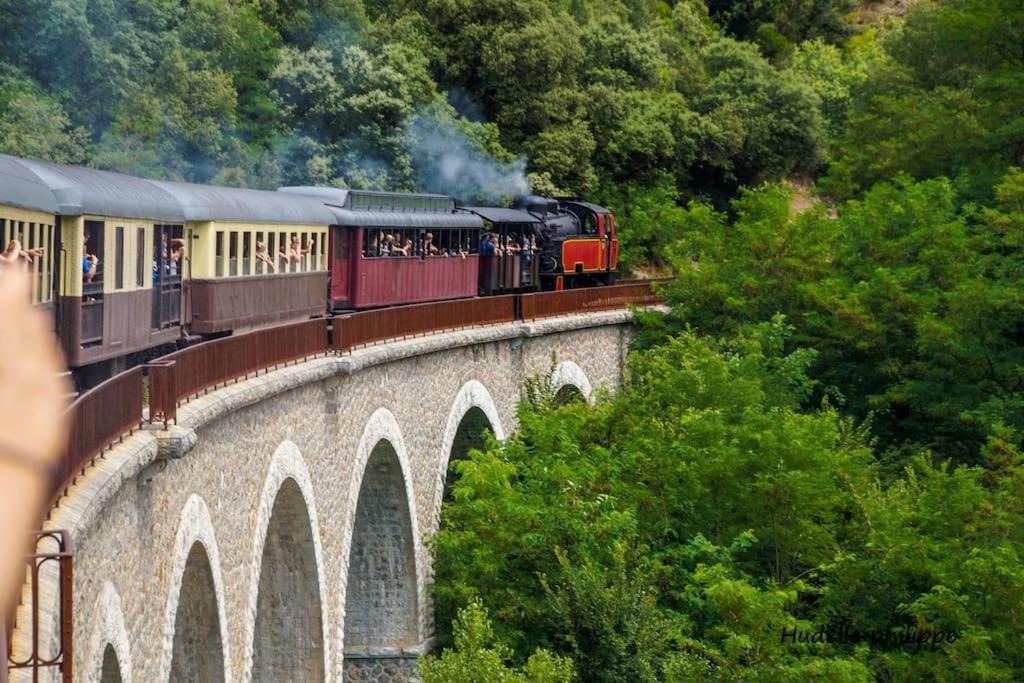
(92,283)
(340,266)
(168,260)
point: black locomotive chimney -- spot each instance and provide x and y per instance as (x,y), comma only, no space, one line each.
(535,204)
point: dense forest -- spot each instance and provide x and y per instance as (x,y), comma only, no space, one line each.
(823,437)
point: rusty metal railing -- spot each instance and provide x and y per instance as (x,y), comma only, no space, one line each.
(370,327)
(60,553)
(99,418)
(547,304)
(179,376)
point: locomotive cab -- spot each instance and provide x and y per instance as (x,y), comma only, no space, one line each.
(579,246)
(597,223)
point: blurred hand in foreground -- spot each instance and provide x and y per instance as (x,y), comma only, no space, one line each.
(33,424)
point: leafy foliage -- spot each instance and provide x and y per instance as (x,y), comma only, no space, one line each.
(913,305)
(477,657)
(674,531)
(947,102)
(265,92)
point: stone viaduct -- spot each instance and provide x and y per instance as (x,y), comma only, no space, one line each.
(279,532)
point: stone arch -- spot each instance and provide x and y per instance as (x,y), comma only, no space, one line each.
(195,629)
(286,626)
(111,670)
(382,604)
(110,656)
(198,652)
(473,407)
(569,374)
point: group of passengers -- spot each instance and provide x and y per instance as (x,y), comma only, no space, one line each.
(294,253)
(15,254)
(172,251)
(401,243)
(493,244)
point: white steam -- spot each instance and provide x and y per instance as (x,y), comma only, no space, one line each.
(448,160)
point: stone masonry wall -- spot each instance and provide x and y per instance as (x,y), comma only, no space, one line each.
(136,517)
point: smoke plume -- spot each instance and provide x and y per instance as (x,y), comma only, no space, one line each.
(450,157)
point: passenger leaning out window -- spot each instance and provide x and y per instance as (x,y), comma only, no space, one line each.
(264,257)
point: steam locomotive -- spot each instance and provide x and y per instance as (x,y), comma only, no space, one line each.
(129,267)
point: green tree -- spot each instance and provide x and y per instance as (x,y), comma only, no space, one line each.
(758,124)
(672,532)
(35,126)
(947,104)
(477,657)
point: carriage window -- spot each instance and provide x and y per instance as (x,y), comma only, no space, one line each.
(371,242)
(169,253)
(119,257)
(49,258)
(259,266)
(219,255)
(31,242)
(323,251)
(246,253)
(232,253)
(92,257)
(140,257)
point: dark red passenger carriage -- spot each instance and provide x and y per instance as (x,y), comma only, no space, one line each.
(393,248)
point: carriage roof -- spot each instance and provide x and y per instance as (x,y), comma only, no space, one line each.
(498,215)
(73,191)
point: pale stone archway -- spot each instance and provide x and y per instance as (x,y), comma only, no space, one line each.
(287,632)
(473,411)
(567,376)
(110,651)
(111,669)
(196,651)
(382,626)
